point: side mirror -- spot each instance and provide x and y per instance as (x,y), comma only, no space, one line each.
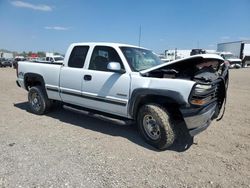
(115,67)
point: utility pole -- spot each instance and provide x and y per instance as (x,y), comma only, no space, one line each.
(139,42)
(175,54)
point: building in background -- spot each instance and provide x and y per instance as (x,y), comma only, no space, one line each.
(6,55)
(240,49)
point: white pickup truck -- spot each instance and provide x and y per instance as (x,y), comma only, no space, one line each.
(132,83)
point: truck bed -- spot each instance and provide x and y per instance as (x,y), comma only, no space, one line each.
(49,71)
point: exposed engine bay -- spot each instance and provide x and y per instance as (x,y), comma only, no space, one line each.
(196,69)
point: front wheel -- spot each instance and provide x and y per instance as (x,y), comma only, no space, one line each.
(155,126)
(38,100)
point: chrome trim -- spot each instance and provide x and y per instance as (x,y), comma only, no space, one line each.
(95,98)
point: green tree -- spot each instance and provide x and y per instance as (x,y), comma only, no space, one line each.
(30,53)
(56,53)
(24,54)
(41,54)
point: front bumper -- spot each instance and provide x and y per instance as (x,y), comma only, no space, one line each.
(197,120)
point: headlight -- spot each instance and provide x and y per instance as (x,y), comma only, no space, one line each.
(202,88)
(202,94)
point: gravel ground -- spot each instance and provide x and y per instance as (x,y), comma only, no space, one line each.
(68,149)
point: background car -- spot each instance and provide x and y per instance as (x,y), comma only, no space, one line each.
(5,63)
(233,61)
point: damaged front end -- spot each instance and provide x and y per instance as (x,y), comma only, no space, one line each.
(206,100)
(208,96)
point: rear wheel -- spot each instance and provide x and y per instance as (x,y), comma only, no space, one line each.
(155,126)
(38,100)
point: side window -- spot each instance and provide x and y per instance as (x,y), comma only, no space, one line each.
(47,58)
(101,56)
(78,56)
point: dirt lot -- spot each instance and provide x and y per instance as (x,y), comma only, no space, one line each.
(67,149)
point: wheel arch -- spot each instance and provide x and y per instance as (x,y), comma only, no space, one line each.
(33,79)
(171,100)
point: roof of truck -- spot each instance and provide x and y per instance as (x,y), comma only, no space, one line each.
(106,44)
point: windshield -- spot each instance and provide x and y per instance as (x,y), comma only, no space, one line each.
(228,56)
(140,59)
(58,58)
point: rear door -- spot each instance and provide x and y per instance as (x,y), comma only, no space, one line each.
(102,89)
(71,76)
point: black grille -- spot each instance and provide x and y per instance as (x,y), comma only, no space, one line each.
(210,95)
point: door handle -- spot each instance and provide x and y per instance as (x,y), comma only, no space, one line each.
(87,77)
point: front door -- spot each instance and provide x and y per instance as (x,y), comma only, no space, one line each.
(102,89)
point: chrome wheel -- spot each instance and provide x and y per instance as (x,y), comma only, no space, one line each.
(35,101)
(151,127)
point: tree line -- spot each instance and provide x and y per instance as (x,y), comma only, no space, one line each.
(39,53)
(27,54)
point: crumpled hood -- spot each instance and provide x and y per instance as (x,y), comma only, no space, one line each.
(199,56)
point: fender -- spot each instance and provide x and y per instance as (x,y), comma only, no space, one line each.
(34,78)
(138,95)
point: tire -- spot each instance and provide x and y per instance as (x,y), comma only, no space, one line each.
(38,101)
(155,126)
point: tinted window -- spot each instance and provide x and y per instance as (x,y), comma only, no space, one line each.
(78,56)
(101,56)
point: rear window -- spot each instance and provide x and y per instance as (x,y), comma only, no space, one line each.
(78,56)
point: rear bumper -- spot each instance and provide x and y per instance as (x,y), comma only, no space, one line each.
(197,120)
(20,83)
(17,83)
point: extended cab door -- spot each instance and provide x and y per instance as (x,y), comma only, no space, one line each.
(71,76)
(102,89)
